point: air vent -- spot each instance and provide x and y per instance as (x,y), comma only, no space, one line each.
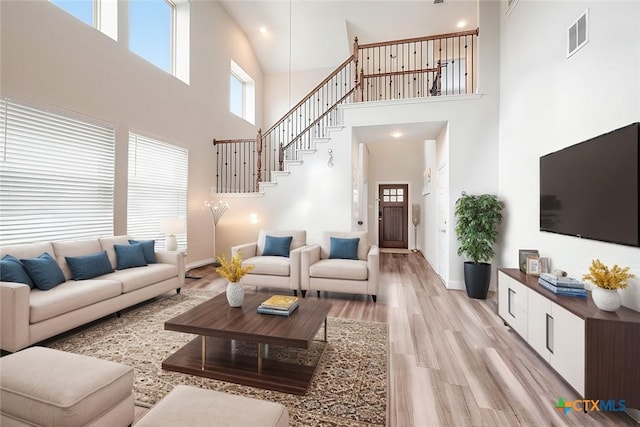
(577,34)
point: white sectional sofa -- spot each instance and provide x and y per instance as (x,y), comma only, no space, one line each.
(28,316)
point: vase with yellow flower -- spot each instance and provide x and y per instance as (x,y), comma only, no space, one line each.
(607,281)
(233,271)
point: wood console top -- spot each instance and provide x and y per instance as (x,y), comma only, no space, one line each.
(581,307)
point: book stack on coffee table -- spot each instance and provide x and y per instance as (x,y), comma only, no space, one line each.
(280,305)
(562,286)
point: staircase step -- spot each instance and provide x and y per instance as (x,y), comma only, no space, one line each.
(318,139)
(264,185)
(307,151)
(276,174)
(288,163)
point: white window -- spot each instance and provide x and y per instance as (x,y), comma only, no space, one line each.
(56,176)
(151,31)
(242,94)
(157,188)
(101,14)
(159,32)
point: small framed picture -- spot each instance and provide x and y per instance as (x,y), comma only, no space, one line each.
(545,265)
(533,265)
(522,257)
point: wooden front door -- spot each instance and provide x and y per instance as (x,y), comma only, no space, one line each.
(393,217)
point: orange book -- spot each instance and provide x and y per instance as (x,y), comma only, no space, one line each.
(280,302)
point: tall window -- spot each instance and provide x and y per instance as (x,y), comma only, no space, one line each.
(101,14)
(242,94)
(236,95)
(151,31)
(157,187)
(56,176)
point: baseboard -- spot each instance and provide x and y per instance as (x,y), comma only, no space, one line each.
(199,263)
(455,284)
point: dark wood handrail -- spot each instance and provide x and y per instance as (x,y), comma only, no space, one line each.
(401,73)
(314,90)
(422,39)
(322,116)
(231,141)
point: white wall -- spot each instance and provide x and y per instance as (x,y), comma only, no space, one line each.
(283,91)
(549,102)
(51,58)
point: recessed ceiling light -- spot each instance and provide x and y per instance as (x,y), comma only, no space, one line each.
(396,134)
(462,24)
(263,30)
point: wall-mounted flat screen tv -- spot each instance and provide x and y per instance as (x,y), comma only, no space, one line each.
(590,189)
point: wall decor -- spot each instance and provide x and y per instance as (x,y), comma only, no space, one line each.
(533,266)
(522,257)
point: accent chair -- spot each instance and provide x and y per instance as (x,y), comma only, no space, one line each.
(342,262)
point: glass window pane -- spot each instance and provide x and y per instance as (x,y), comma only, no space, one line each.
(150,31)
(400,198)
(393,198)
(400,191)
(385,198)
(81,9)
(393,191)
(386,191)
(236,96)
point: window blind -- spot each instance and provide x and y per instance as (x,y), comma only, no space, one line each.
(56,176)
(158,178)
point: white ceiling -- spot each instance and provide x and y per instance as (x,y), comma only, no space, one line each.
(409,132)
(320,34)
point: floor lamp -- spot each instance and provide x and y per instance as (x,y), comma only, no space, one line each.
(217,210)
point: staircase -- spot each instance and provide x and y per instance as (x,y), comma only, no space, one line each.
(432,66)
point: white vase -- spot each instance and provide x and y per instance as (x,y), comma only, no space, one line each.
(606,299)
(235,294)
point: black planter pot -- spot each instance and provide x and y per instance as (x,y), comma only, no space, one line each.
(477,278)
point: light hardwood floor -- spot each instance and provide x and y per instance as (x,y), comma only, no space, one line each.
(452,362)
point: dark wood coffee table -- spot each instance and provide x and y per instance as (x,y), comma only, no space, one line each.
(223,329)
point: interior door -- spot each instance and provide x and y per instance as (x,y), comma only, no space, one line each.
(393,216)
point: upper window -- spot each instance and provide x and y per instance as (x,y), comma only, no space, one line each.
(242,94)
(101,14)
(151,31)
(56,176)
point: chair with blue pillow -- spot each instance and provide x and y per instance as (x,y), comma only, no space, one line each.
(342,262)
(276,258)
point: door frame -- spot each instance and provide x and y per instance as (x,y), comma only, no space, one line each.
(410,239)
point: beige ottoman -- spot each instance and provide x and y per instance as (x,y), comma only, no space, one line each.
(46,387)
(196,407)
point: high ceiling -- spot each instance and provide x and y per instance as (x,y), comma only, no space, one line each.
(312,34)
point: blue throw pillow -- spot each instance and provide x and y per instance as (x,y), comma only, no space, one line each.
(12,270)
(89,266)
(277,246)
(129,256)
(344,248)
(44,271)
(148,249)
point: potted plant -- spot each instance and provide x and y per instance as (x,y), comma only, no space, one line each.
(233,271)
(478,218)
(607,282)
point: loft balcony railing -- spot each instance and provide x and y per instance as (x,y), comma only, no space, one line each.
(440,65)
